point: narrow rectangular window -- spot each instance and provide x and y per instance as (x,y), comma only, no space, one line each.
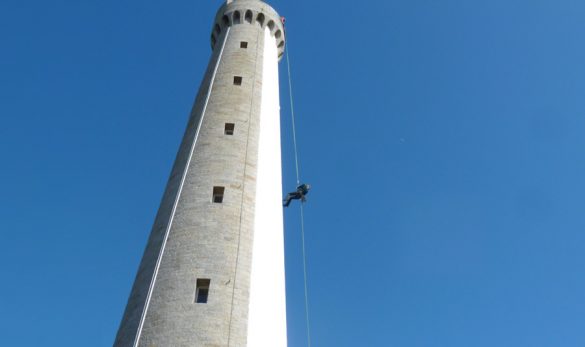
(202,291)
(243,44)
(238,80)
(229,128)
(218,194)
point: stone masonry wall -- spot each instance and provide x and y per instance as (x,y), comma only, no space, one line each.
(205,239)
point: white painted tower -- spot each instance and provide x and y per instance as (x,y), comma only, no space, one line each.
(212,274)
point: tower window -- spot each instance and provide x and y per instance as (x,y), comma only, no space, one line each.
(202,291)
(271,25)
(229,128)
(218,194)
(248,16)
(243,44)
(237,17)
(260,19)
(237,80)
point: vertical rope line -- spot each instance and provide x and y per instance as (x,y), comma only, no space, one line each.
(292,112)
(305,275)
(302,203)
(176,202)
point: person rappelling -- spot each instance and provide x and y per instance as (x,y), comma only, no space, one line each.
(298,194)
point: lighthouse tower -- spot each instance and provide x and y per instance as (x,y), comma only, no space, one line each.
(212,274)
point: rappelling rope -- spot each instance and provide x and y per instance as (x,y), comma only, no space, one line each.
(292,112)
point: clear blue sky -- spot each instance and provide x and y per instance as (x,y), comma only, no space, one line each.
(444,139)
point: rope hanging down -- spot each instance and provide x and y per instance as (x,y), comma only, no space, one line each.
(301,192)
